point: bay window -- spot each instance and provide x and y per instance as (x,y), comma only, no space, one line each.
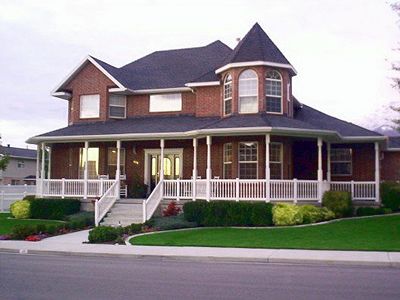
(228,95)
(275,160)
(248,92)
(273,92)
(248,160)
(227,157)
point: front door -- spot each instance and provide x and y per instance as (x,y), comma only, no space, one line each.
(172,167)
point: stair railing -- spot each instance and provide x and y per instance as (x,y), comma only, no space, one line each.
(151,203)
(105,203)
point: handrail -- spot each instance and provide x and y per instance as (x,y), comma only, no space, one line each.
(105,203)
(151,203)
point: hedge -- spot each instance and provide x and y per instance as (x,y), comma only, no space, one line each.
(54,209)
(228,213)
(372,211)
(390,195)
(339,202)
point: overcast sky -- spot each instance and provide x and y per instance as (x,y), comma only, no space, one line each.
(341,49)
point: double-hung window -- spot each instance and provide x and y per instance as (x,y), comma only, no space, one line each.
(228,95)
(21,164)
(341,161)
(273,92)
(117,106)
(112,161)
(227,161)
(275,160)
(248,160)
(89,106)
(248,92)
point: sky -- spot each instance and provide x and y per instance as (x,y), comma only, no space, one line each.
(342,50)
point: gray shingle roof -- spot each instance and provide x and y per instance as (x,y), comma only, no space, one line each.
(18,152)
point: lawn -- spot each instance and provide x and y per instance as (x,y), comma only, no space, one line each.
(376,233)
(7,224)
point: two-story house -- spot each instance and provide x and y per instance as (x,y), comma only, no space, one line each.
(203,123)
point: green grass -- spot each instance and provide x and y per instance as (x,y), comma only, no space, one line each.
(376,233)
(7,224)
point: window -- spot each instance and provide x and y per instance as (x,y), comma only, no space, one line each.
(248,92)
(341,161)
(93,163)
(165,102)
(21,164)
(228,95)
(112,161)
(89,106)
(117,106)
(273,91)
(248,160)
(227,161)
(275,160)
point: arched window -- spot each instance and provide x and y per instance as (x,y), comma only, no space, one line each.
(248,92)
(273,91)
(228,95)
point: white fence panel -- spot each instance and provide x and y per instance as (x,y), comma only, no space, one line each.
(11,193)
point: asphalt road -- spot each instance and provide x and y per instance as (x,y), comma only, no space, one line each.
(75,277)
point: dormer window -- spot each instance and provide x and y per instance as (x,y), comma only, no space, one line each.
(273,92)
(228,95)
(117,106)
(248,92)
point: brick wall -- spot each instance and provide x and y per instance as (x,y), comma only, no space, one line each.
(390,166)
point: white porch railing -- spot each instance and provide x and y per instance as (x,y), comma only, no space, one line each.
(360,190)
(151,203)
(105,203)
(73,187)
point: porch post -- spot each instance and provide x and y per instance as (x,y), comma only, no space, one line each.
(162,144)
(85,172)
(377,173)
(328,163)
(38,182)
(118,171)
(42,173)
(49,164)
(208,190)
(267,167)
(194,168)
(320,174)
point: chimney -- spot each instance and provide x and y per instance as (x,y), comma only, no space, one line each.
(238,39)
(8,145)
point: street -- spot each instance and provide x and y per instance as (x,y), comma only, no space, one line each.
(80,277)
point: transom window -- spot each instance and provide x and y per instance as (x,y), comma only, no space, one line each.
(275,160)
(93,163)
(227,161)
(89,106)
(228,95)
(117,105)
(273,91)
(248,160)
(112,161)
(248,92)
(341,161)
(165,102)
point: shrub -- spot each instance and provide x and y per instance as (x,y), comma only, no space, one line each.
(29,197)
(20,232)
(133,229)
(228,213)
(55,209)
(314,214)
(86,218)
(21,209)
(286,214)
(173,222)
(171,210)
(372,211)
(338,202)
(104,234)
(390,195)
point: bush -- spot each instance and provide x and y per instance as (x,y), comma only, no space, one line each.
(20,232)
(338,202)
(372,211)
(390,195)
(171,210)
(286,215)
(173,222)
(86,218)
(54,209)
(29,197)
(313,214)
(133,229)
(21,209)
(228,213)
(104,234)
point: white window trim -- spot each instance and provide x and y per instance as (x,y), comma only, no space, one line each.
(229,98)
(280,157)
(247,162)
(224,163)
(249,95)
(122,161)
(274,96)
(80,107)
(114,105)
(342,161)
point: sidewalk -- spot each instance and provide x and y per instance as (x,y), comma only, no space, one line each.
(71,244)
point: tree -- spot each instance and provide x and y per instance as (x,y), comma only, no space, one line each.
(396,69)
(4,160)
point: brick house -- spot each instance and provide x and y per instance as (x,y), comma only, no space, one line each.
(225,122)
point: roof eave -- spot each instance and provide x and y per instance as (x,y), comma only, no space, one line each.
(255,63)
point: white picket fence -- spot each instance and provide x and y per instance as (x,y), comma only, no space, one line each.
(11,193)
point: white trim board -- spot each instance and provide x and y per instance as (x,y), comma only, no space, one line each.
(255,63)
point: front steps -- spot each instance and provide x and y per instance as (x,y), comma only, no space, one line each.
(124,212)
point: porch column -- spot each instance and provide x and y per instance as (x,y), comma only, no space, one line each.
(194,174)
(85,172)
(162,144)
(42,173)
(377,173)
(49,164)
(328,163)
(320,173)
(208,174)
(267,167)
(37,182)
(118,171)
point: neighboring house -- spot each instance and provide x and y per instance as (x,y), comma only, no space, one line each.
(225,121)
(21,168)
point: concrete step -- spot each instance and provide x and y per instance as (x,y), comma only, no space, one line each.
(130,201)
(124,215)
